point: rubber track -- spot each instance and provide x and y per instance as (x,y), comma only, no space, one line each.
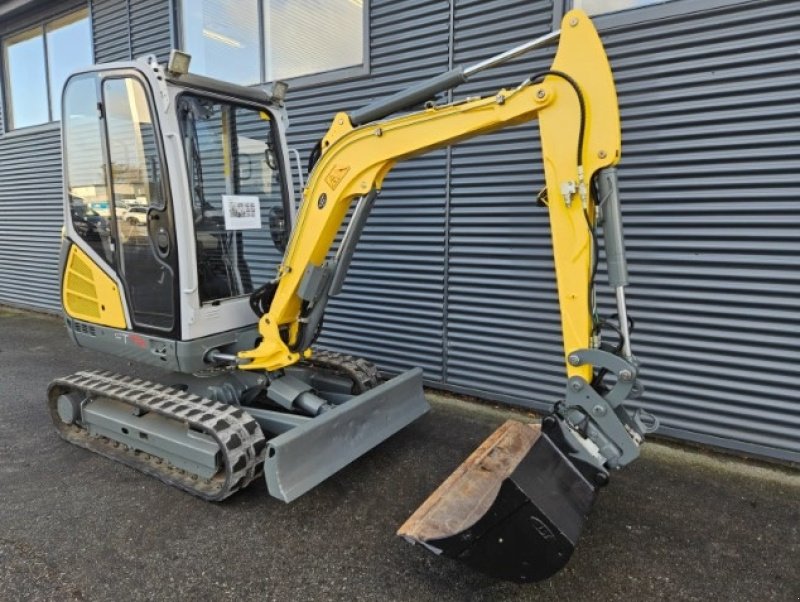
(242,445)
(364,374)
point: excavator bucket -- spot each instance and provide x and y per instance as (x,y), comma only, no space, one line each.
(513,510)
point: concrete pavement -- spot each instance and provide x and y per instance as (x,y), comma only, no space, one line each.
(677,524)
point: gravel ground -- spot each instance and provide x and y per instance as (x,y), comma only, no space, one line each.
(678,524)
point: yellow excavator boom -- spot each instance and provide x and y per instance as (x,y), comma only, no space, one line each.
(576,105)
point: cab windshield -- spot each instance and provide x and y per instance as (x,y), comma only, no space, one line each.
(236,186)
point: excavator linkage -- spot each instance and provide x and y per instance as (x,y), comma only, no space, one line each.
(513,510)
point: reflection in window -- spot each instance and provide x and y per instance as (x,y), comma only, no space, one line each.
(599,7)
(222,37)
(89,207)
(137,189)
(300,37)
(37,62)
(26,79)
(69,47)
(311,36)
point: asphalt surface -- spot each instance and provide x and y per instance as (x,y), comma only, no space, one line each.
(677,524)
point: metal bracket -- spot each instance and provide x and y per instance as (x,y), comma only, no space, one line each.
(610,428)
(568,189)
(152,62)
(602,419)
(625,371)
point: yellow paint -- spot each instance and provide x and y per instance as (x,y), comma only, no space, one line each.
(580,55)
(89,294)
(369,152)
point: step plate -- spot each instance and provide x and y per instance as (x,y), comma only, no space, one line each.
(303,457)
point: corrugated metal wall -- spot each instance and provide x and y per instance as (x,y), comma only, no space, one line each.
(391,309)
(30,203)
(503,334)
(711,200)
(454,271)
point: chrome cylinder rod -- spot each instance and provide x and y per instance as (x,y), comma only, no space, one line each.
(622,313)
(428,89)
(513,53)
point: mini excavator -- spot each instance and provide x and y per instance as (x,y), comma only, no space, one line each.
(177,186)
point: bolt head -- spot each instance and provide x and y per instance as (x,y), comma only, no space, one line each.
(602,154)
(599,410)
(573,359)
(573,21)
(625,375)
(576,385)
(540,94)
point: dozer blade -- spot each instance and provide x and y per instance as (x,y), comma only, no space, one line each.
(303,457)
(513,510)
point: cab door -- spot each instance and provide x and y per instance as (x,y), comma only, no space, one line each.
(113,150)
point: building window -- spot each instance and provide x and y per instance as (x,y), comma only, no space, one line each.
(253,41)
(311,36)
(37,62)
(600,7)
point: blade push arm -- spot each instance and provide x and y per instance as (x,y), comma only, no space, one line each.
(576,106)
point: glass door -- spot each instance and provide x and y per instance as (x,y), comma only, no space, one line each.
(143,221)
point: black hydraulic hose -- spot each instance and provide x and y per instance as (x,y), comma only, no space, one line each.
(314,156)
(579,159)
(582,104)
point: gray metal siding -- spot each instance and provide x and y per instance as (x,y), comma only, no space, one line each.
(111,30)
(30,200)
(503,334)
(30,218)
(125,29)
(391,308)
(711,200)
(150,28)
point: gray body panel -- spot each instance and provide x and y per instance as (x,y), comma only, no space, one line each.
(175,356)
(153,434)
(308,454)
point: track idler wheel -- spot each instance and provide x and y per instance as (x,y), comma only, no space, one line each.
(513,510)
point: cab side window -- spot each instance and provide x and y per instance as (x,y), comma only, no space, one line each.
(89,201)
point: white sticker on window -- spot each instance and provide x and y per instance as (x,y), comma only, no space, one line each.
(241,212)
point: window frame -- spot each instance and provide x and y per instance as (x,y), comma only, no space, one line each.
(654,12)
(5,85)
(120,266)
(300,81)
(277,136)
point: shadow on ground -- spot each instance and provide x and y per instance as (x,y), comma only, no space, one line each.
(674,525)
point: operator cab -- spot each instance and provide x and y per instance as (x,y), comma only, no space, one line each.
(178,188)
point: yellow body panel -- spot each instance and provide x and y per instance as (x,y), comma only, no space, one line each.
(356,160)
(581,56)
(89,294)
